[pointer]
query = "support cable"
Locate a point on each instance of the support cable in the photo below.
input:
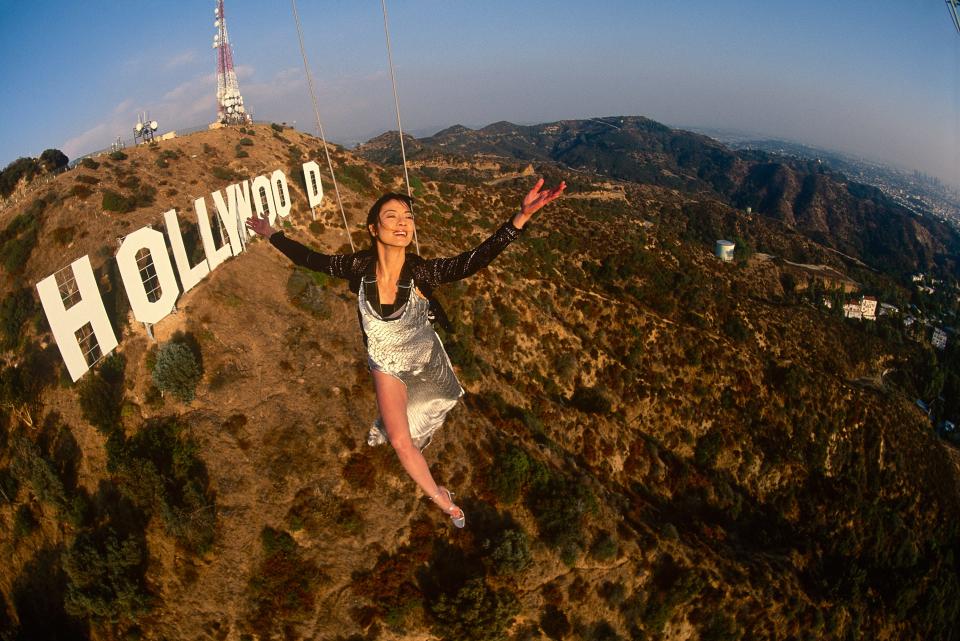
(396, 100)
(316, 111)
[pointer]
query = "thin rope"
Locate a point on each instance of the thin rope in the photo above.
(316, 111)
(396, 100)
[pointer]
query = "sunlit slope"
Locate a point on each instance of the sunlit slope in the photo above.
(653, 444)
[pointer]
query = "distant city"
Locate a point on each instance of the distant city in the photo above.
(923, 194)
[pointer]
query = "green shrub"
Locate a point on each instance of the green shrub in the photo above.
(21, 384)
(475, 613)
(101, 394)
(89, 163)
(591, 400)
(604, 547)
(17, 170)
(282, 589)
(307, 290)
(356, 178)
(144, 196)
(161, 163)
(160, 470)
(735, 329)
(112, 201)
(19, 238)
(105, 574)
(117, 155)
(24, 523)
(416, 185)
(613, 593)
(246, 142)
(602, 631)
(708, 448)
(276, 127)
(240, 153)
(88, 179)
(225, 173)
(176, 371)
(31, 467)
(559, 506)
(673, 586)
(53, 159)
(63, 235)
(511, 553)
(80, 191)
(16, 252)
(554, 622)
(511, 471)
(723, 627)
(15, 309)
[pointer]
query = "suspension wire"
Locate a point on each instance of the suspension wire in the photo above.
(396, 100)
(316, 111)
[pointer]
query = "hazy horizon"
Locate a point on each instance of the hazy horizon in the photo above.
(883, 85)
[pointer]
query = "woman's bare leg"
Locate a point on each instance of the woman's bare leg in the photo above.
(392, 400)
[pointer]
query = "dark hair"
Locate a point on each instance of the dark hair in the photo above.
(373, 216)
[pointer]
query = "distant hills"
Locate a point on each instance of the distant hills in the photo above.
(828, 208)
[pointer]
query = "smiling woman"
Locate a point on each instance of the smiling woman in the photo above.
(414, 381)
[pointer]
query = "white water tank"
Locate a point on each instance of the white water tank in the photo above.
(724, 250)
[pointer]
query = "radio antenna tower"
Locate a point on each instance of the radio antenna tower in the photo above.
(230, 109)
(953, 6)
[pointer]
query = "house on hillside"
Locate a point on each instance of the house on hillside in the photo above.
(939, 339)
(868, 307)
(886, 308)
(853, 310)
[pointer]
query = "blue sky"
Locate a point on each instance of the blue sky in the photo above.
(878, 79)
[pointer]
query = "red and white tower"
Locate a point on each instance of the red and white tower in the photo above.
(230, 110)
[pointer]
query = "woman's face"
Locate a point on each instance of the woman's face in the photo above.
(395, 224)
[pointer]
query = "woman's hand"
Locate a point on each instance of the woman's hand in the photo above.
(259, 225)
(535, 200)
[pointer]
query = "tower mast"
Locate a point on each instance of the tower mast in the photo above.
(230, 110)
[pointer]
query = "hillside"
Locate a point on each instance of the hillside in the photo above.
(653, 444)
(826, 207)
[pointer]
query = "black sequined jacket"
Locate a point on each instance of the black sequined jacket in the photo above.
(360, 267)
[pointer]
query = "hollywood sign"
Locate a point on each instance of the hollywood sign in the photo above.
(76, 313)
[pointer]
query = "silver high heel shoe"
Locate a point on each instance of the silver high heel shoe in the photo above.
(458, 521)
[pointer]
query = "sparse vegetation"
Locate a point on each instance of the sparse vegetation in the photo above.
(113, 201)
(476, 612)
(282, 589)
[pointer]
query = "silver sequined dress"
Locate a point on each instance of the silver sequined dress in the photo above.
(408, 349)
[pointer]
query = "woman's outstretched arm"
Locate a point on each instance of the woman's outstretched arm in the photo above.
(337, 265)
(445, 270)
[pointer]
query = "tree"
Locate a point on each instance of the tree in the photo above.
(53, 159)
(177, 371)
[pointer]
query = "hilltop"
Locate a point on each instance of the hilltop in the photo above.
(653, 443)
(825, 206)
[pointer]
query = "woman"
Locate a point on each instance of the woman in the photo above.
(414, 381)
